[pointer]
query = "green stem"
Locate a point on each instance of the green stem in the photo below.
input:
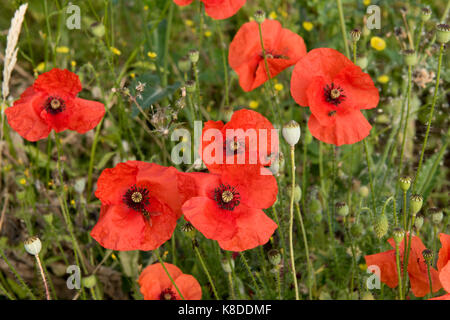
(429, 279)
(251, 274)
(430, 117)
(343, 28)
(224, 62)
(205, 269)
(405, 128)
(291, 224)
(397, 258)
(419, 35)
(166, 44)
(91, 160)
(369, 169)
(168, 274)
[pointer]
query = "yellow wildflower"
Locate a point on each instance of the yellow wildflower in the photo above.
(189, 23)
(40, 67)
(208, 33)
(115, 51)
(279, 87)
(152, 55)
(23, 181)
(273, 15)
(383, 79)
(73, 63)
(378, 43)
(308, 25)
(62, 49)
(253, 104)
(366, 2)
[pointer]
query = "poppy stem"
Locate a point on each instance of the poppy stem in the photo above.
(343, 28)
(397, 258)
(419, 35)
(405, 128)
(251, 274)
(429, 279)
(369, 169)
(166, 44)
(44, 280)
(205, 268)
(430, 117)
(291, 224)
(406, 254)
(168, 274)
(224, 61)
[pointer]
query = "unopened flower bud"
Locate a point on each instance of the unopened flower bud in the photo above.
(227, 265)
(315, 206)
(89, 282)
(291, 132)
(436, 215)
(355, 34)
(274, 257)
(426, 14)
(362, 62)
(418, 222)
(442, 33)
(194, 56)
(297, 193)
(399, 234)
(33, 245)
(364, 191)
(410, 57)
(98, 29)
(260, 16)
(357, 230)
(342, 209)
(416, 202)
(381, 226)
(184, 64)
(405, 183)
(427, 255)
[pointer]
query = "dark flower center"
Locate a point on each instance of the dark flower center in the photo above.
(137, 198)
(233, 146)
(167, 294)
(54, 105)
(227, 197)
(334, 94)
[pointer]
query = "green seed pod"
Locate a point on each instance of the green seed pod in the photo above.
(89, 282)
(190, 86)
(227, 265)
(381, 226)
(260, 16)
(405, 183)
(427, 255)
(291, 132)
(274, 257)
(189, 229)
(442, 33)
(342, 209)
(33, 245)
(399, 234)
(227, 113)
(355, 34)
(184, 64)
(364, 191)
(436, 215)
(98, 29)
(297, 193)
(367, 296)
(357, 230)
(418, 223)
(416, 202)
(194, 56)
(426, 14)
(315, 206)
(410, 57)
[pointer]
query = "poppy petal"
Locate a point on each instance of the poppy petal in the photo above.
(223, 9)
(388, 267)
(86, 115)
(62, 83)
(254, 228)
(153, 279)
(189, 287)
(444, 252)
(444, 277)
(182, 2)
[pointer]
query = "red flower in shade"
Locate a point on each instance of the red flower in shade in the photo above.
(52, 103)
(335, 90)
(156, 285)
(417, 268)
(140, 206)
(228, 207)
(217, 9)
(247, 139)
(443, 266)
(283, 49)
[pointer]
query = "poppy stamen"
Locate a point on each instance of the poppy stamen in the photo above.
(54, 105)
(227, 197)
(334, 94)
(167, 294)
(137, 198)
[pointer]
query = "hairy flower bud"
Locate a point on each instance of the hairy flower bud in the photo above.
(274, 257)
(381, 226)
(184, 64)
(297, 193)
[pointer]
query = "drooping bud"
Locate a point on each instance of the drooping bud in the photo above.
(260, 16)
(33, 245)
(410, 57)
(184, 64)
(436, 215)
(381, 226)
(194, 56)
(342, 209)
(426, 14)
(291, 132)
(274, 257)
(416, 202)
(399, 234)
(355, 34)
(428, 256)
(405, 183)
(297, 193)
(227, 265)
(442, 33)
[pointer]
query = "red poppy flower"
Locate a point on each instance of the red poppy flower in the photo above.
(52, 103)
(417, 269)
(283, 49)
(228, 207)
(443, 266)
(140, 206)
(335, 90)
(156, 285)
(247, 139)
(217, 9)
